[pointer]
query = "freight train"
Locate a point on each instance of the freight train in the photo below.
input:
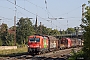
(38, 44)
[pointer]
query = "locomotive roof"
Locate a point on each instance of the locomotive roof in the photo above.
(50, 37)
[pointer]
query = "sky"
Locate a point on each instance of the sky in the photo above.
(46, 11)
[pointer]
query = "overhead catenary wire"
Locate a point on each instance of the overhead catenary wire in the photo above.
(20, 7)
(18, 11)
(25, 9)
(6, 18)
(34, 4)
(7, 8)
(46, 10)
(70, 11)
(42, 8)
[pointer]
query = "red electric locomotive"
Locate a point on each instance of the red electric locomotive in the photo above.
(37, 44)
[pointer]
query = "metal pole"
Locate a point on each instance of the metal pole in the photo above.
(15, 25)
(0, 21)
(0, 29)
(0, 24)
(40, 27)
(67, 26)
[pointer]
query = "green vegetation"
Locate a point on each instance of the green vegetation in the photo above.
(70, 30)
(23, 30)
(5, 37)
(77, 55)
(86, 26)
(85, 53)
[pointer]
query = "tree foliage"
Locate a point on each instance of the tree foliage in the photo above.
(41, 29)
(70, 30)
(55, 32)
(24, 29)
(86, 27)
(5, 38)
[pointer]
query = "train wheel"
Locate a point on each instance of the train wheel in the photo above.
(43, 52)
(39, 53)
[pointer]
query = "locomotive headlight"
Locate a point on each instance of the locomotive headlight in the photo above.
(27, 46)
(35, 40)
(40, 46)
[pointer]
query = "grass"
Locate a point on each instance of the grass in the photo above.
(19, 50)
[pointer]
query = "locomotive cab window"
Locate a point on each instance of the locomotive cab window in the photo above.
(34, 39)
(37, 39)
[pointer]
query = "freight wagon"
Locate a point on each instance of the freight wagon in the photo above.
(64, 43)
(70, 42)
(53, 43)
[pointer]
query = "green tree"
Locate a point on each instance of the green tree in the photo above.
(62, 32)
(70, 30)
(86, 27)
(55, 32)
(43, 30)
(48, 31)
(3, 34)
(23, 30)
(6, 39)
(3, 28)
(10, 38)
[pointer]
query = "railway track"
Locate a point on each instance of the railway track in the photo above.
(56, 55)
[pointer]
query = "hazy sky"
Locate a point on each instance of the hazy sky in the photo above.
(70, 10)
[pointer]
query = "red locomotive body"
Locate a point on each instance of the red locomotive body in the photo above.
(37, 44)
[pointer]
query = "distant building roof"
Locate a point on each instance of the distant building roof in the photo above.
(11, 31)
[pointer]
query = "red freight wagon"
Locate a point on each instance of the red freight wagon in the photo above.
(65, 42)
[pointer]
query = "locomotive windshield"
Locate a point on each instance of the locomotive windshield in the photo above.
(34, 39)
